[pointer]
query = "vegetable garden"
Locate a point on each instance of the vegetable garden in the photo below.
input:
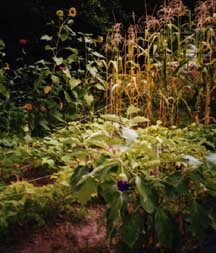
(125, 119)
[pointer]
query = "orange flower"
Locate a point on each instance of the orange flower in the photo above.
(42, 108)
(23, 41)
(17, 165)
(28, 107)
(72, 12)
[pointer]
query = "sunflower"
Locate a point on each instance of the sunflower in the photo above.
(72, 12)
(60, 13)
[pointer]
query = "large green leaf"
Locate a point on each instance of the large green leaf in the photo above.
(87, 188)
(4, 91)
(2, 45)
(101, 172)
(55, 79)
(92, 69)
(111, 117)
(58, 60)
(67, 97)
(146, 195)
(77, 175)
(108, 191)
(113, 212)
(164, 228)
(74, 83)
(132, 109)
(198, 215)
(137, 120)
(178, 183)
(131, 229)
(89, 99)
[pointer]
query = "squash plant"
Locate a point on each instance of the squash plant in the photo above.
(154, 181)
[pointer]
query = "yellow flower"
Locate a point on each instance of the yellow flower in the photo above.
(100, 39)
(6, 66)
(72, 12)
(47, 89)
(60, 13)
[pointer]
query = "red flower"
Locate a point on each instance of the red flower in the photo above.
(23, 41)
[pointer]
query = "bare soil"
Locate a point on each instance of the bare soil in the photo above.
(66, 235)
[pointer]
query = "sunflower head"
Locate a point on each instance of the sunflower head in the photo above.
(72, 12)
(60, 13)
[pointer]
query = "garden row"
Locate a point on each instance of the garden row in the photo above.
(157, 183)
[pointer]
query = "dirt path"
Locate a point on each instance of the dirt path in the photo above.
(68, 236)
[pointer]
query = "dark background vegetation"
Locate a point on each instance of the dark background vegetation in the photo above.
(28, 18)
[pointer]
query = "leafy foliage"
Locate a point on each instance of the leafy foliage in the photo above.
(156, 179)
(168, 173)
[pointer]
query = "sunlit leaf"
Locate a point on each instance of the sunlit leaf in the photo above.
(129, 134)
(58, 60)
(74, 82)
(92, 69)
(132, 109)
(4, 91)
(55, 79)
(46, 37)
(89, 99)
(87, 188)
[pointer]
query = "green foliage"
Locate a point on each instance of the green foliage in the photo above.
(168, 175)
(55, 89)
(156, 179)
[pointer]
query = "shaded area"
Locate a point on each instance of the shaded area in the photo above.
(77, 232)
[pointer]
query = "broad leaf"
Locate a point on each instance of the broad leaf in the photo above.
(164, 228)
(113, 213)
(74, 83)
(58, 60)
(129, 134)
(87, 188)
(77, 175)
(147, 197)
(131, 228)
(89, 99)
(132, 109)
(92, 69)
(55, 79)
(46, 37)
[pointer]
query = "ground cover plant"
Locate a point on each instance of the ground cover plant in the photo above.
(126, 119)
(156, 182)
